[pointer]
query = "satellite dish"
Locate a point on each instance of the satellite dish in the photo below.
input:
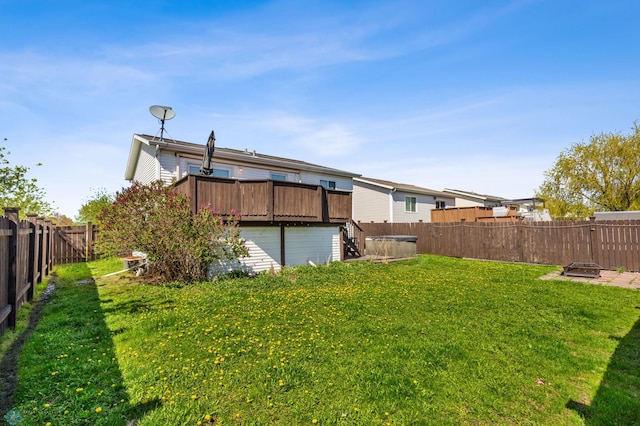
(162, 113)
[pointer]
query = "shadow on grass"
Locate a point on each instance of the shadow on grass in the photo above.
(64, 367)
(9, 362)
(616, 401)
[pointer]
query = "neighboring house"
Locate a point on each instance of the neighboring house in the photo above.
(376, 200)
(529, 209)
(472, 199)
(292, 212)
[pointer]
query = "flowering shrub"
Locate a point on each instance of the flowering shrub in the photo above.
(158, 221)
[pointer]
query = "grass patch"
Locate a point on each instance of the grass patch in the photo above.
(429, 341)
(22, 321)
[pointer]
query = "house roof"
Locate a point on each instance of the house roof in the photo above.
(394, 186)
(469, 194)
(532, 201)
(228, 154)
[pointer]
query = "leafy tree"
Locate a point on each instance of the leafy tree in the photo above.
(603, 174)
(60, 219)
(158, 221)
(17, 190)
(92, 208)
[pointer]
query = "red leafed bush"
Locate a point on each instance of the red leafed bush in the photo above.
(156, 220)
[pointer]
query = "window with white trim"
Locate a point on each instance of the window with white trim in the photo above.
(441, 204)
(329, 184)
(410, 204)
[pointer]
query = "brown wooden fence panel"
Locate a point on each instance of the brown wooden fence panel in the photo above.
(23, 256)
(6, 234)
(618, 244)
(611, 244)
(28, 251)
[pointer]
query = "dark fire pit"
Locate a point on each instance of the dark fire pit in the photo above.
(579, 269)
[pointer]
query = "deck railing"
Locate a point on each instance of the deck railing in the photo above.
(267, 200)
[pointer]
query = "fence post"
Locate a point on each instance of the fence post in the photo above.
(89, 242)
(42, 247)
(11, 213)
(594, 241)
(34, 255)
(51, 251)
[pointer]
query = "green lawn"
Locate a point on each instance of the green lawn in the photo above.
(429, 341)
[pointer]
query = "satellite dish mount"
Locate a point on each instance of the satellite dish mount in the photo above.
(162, 113)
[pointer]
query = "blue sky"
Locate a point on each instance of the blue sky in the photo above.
(473, 95)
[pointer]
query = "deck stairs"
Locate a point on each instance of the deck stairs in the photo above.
(352, 240)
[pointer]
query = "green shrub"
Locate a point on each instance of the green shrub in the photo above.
(158, 221)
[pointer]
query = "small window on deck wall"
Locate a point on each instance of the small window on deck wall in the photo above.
(195, 170)
(329, 184)
(410, 204)
(441, 204)
(220, 173)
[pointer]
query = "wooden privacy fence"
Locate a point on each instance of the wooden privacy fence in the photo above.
(26, 256)
(610, 244)
(74, 244)
(28, 250)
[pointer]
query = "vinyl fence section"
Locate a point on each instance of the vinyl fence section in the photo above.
(610, 244)
(26, 256)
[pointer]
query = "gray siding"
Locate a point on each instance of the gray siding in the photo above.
(424, 205)
(342, 182)
(370, 203)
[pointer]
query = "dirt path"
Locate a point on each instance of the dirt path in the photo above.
(9, 364)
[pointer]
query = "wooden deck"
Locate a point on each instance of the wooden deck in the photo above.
(267, 200)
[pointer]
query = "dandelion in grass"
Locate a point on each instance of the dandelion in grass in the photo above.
(98, 409)
(79, 389)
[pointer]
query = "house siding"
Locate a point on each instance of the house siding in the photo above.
(263, 244)
(168, 166)
(249, 171)
(424, 205)
(145, 171)
(465, 202)
(343, 183)
(370, 203)
(304, 244)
